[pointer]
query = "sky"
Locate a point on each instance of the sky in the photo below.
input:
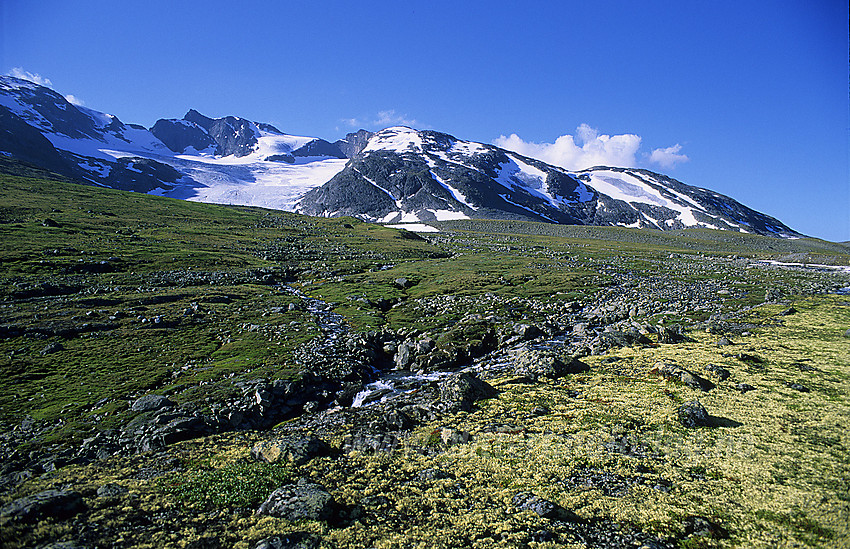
(746, 98)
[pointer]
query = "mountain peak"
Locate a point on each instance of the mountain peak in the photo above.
(199, 119)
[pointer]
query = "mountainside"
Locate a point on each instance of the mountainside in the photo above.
(393, 176)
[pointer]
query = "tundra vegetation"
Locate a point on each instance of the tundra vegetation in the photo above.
(190, 375)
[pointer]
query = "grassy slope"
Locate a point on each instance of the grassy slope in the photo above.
(778, 479)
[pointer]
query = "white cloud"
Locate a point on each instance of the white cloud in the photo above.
(390, 118)
(383, 119)
(75, 100)
(19, 72)
(587, 149)
(669, 157)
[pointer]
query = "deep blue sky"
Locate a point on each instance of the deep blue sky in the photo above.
(754, 93)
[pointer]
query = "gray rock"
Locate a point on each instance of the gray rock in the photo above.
(402, 283)
(370, 442)
(295, 540)
(461, 391)
(57, 504)
(671, 334)
(304, 500)
(433, 474)
(452, 437)
(672, 371)
(536, 364)
(797, 387)
(151, 402)
(111, 490)
(744, 387)
(526, 501)
(51, 348)
(693, 414)
(294, 449)
(719, 371)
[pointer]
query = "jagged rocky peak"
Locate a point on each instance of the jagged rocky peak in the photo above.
(181, 135)
(354, 143)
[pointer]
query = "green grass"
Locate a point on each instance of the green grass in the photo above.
(237, 484)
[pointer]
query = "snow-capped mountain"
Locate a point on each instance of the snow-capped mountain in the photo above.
(404, 175)
(393, 176)
(227, 160)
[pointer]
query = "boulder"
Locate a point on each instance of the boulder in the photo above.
(461, 391)
(370, 442)
(719, 371)
(671, 334)
(57, 504)
(303, 500)
(151, 402)
(111, 490)
(295, 540)
(672, 371)
(294, 449)
(527, 501)
(693, 414)
(535, 364)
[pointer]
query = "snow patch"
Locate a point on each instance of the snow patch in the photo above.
(447, 215)
(456, 194)
(397, 139)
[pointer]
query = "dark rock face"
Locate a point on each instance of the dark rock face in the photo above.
(26, 143)
(436, 171)
(319, 147)
(354, 143)
(231, 135)
(304, 500)
(50, 503)
(178, 135)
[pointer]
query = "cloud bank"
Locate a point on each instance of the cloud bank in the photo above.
(590, 148)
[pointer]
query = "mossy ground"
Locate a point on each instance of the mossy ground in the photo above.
(772, 472)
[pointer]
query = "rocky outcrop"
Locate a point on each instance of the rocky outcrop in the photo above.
(179, 135)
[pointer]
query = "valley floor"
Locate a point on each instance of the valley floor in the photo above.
(226, 377)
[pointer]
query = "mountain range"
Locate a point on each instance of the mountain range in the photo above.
(396, 175)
